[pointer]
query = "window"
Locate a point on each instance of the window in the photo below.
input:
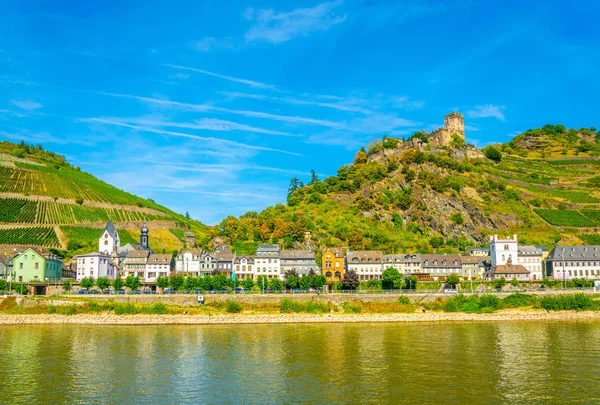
(105, 242)
(20, 265)
(328, 274)
(337, 274)
(37, 265)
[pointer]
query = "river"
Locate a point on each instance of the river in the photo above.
(476, 363)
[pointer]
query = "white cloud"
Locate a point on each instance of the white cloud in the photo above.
(251, 83)
(380, 123)
(487, 110)
(207, 44)
(214, 143)
(406, 103)
(276, 28)
(28, 105)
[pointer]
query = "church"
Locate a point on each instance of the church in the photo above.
(109, 244)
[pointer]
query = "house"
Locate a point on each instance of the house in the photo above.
(301, 261)
(439, 266)
(224, 258)
(36, 265)
(267, 261)
(158, 265)
(472, 267)
(94, 265)
(530, 257)
(334, 264)
(409, 264)
(509, 271)
(135, 263)
(566, 262)
(478, 251)
(503, 249)
(188, 262)
(244, 267)
(393, 261)
(413, 266)
(366, 263)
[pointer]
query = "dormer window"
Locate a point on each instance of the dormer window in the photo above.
(435, 262)
(443, 262)
(426, 262)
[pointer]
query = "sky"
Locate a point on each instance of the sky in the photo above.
(211, 107)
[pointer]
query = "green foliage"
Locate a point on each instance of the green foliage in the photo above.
(118, 283)
(404, 300)
(452, 280)
(390, 278)
(248, 283)
(176, 282)
(288, 305)
(419, 135)
(233, 306)
(575, 302)
(162, 282)
(457, 218)
(514, 282)
(410, 282)
(133, 283)
(492, 153)
(87, 282)
(352, 307)
(66, 284)
(457, 142)
(103, 283)
(38, 236)
(275, 284)
(499, 282)
(566, 218)
(125, 308)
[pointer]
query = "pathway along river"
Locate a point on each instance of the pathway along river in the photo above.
(475, 363)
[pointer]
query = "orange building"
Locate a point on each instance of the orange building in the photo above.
(333, 264)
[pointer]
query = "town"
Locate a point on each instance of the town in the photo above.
(271, 267)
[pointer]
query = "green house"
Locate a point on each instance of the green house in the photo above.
(33, 265)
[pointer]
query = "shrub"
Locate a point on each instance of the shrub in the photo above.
(489, 301)
(518, 300)
(158, 309)
(404, 300)
(577, 302)
(352, 307)
(233, 306)
(457, 218)
(125, 309)
(492, 153)
(451, 305)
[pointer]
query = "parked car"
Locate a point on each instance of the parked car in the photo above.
(148, 292)
(169, 291)
(108, 292)
(80, 292)
(137, 291)
(119, 291)
(450, 291)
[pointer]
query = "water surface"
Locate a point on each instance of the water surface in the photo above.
(483, 363)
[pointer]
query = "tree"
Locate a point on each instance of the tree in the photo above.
(499, 282)
(492, 153)
(514, 282)
(262, 282)
(66, 285)
(87, 282)
(314, 178)
(410, 282)
(219, 281)
(187, 215)
(305, 282)
(162, 282)
(176, 282)
(350, 280)
(133, 283)
(275, 284)
(295, 184)
(319, 282)
(452, 280)
(248, 283)
(117, 283)
(390, 278)
(103, 283)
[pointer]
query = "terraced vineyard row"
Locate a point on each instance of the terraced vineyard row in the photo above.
(39, 236)
(574, 218)
(14, 210)
(590, 238)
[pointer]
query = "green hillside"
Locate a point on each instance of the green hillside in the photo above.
(399, 199)
(40, 190)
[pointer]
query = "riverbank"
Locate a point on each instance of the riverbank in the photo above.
(433, 317)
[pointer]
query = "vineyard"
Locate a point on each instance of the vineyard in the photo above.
(91, 235)
(14, 210)
(590, 238)
(39, 236)
(573, 218)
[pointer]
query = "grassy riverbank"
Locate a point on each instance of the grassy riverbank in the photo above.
(402, 309)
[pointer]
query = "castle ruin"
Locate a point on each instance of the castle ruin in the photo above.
(454, 123)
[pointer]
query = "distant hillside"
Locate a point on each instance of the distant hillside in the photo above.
(45, 201)
(410, 196)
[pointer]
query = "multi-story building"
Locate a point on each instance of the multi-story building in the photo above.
(413, 265)
(478, 251)
(244, 267)
(472, 267)
(224, 258)
(530, 257)
(366, 263)
(135, 263)
(439, 266)
(267, 261)
(301, 261)
(188, 262)
(393, 261)
(36, 265)
(158, 265)
(509, 271)
(566, 262)
(333, 263)
(94, 265)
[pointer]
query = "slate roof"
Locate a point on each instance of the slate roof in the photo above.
(525, 250)
(575, 253)
(440, 260)
(110, 228)
(297, 254)
(364, 256)
(159, 259)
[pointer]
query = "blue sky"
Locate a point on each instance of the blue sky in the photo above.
(212, 109)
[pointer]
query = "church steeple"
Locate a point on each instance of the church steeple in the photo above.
(144, 235)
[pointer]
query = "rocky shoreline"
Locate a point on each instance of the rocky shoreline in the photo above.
(435, 317)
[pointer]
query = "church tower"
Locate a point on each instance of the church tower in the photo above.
(503, 250)
(144, 236)
(109, 240)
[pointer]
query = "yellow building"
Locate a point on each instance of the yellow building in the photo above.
(333, 264)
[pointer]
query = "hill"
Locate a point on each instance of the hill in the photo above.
(45, 201)
(417, 196)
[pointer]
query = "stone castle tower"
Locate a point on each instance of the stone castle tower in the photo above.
(454, 123)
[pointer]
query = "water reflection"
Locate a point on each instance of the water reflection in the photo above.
(339, 363)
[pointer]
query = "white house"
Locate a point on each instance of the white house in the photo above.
(567, 262)
(530, 257)
(95, 265)
(158, 265)
(109, 240)
(244, 267)
(267, 261)
(188, 262)
(366, 263)
(504, 249)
